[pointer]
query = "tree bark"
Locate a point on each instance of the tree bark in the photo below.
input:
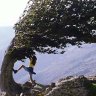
(8, 83)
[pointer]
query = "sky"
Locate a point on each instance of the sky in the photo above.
(10, 11)
(50, 68)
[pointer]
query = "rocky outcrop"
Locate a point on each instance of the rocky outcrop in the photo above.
(70, 86)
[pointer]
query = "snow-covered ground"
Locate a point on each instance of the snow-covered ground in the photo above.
(49, 68)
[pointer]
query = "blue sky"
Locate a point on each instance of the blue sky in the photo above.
(6, 35)
(10, 11)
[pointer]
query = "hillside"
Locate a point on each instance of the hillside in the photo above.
(69, 86)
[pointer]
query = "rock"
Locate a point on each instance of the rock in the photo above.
(30, 89)
(74, 86)
(49, 88)
(92, 79)
(69, 86)
(2, 93)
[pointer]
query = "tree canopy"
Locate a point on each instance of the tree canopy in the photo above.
(48, 25)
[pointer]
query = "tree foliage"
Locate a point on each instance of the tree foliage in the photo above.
(48, 25)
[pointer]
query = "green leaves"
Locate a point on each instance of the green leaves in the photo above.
(50, 23)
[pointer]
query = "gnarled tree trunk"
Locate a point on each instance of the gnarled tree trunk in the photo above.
(12, 55)
(8, 83)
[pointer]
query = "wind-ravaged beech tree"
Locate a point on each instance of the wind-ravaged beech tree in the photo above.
(45, 26)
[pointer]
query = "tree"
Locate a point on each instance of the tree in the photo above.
(45, 26)
(54, 24)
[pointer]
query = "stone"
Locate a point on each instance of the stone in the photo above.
(71, 87)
